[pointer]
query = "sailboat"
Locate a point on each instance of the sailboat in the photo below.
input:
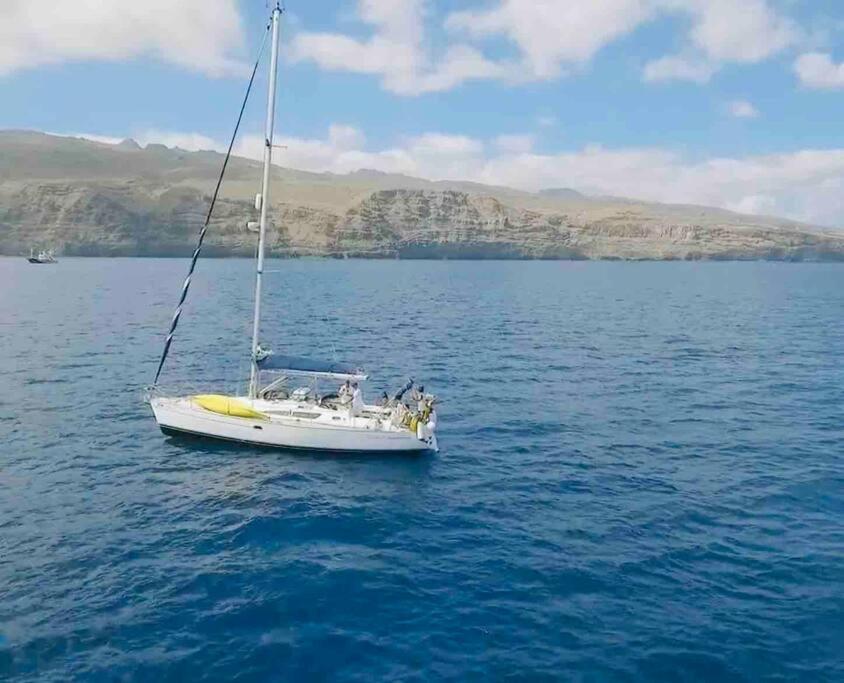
(42, 257)
(286, 405)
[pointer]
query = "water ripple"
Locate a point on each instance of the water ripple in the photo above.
(640, 477)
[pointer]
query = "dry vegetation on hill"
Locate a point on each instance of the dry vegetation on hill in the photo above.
(87, 198)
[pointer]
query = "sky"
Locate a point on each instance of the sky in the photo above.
(730, 103)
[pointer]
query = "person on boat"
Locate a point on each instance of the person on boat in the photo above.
(357, 399)
(345, 391)
(385, 399)
(430, 417)
(418, 395)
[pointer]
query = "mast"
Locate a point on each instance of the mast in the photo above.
(265, 194)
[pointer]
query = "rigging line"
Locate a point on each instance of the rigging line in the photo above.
(186, 286)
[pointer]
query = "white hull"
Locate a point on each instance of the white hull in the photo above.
(332, 431)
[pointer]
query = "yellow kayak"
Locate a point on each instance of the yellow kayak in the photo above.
(226, 405)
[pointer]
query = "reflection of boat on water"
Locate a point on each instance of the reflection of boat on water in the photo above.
(284, 406)
(42, 257)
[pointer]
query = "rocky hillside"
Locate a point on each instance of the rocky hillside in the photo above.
(86, 198)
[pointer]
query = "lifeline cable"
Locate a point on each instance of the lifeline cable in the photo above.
(202, 232)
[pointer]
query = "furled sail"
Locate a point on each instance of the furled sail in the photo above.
(309, 366)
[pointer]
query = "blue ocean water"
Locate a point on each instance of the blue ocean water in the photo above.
(640, 477)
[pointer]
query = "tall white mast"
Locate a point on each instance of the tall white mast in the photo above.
(265, 201)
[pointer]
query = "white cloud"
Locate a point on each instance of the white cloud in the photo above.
(201, 35)
(395, 52)
(817, 70)
(723, 31)
(551, 37)
(345, 137)
(805, 185)
(104, 139)
(759, 204)
(515, 143)
(678, 69)
(553, 33)
(460, 63)
(445, 145)
(343, 151)
(747, 31)
(742, 109)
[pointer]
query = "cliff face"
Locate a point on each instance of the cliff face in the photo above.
(418, 223)
(123, 200)
(414, 223)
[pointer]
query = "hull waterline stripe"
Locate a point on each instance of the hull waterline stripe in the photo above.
(176, 431)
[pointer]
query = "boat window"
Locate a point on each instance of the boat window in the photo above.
(307, 416)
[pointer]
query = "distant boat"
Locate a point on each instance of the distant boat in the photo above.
(289, 410)
(42, 257)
